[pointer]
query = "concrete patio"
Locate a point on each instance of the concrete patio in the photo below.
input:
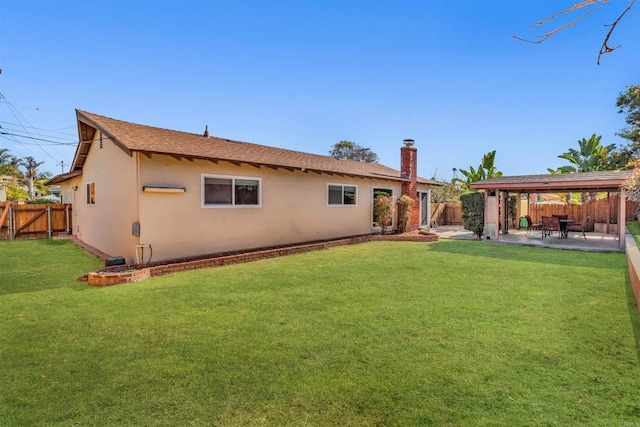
(595, 242)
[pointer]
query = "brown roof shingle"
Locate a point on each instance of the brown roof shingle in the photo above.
(600, 180)
(153, 140)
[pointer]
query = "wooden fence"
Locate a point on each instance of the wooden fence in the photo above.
(446, 213)
(599, 211)
(603, 211)
(22, 221)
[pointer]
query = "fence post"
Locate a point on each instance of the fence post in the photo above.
(49, 231)
(66, 213)
(10, 222)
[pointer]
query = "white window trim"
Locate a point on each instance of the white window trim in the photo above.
(393, 215)
(429, 220)
(233, 193)
(341, 205)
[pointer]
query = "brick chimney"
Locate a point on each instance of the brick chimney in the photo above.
(409, 170)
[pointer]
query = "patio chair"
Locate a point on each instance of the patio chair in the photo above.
(531, 225)
(580, 226)
(549, 225)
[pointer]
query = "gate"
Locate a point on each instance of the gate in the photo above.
(23, 221)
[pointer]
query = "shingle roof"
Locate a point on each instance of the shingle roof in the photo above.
(600, 180)
(153, 140)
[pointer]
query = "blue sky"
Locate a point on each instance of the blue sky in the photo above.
(306, 74)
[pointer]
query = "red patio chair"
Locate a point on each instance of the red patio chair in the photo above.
(549, 225)
(580, 226)
(531, 225)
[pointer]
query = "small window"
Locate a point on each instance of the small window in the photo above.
(91, 194)
(225, 191)
(342, 194)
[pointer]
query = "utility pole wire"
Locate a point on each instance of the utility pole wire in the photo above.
(62, 164)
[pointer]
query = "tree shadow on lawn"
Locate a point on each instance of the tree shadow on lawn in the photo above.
(43, 264)
(545, 256)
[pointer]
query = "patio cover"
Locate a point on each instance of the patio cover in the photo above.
(601, 181)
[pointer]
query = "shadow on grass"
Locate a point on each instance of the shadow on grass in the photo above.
(546, 256)
(43, 264)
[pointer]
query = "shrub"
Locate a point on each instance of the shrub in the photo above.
(383, 210)
(473, 212)
(405, 203)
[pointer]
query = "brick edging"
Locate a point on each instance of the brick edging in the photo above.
(129, 274)
(633, 264)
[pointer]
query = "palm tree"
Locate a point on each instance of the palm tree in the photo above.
(10, 165)
(39, 183)
(4, 160)
(31, 176)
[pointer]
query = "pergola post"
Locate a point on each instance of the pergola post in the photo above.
(496, 214)
(504, 206)
(518, 208)
(491, 213)
(622, 216)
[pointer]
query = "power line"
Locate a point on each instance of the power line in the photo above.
(45, 130)
(37, 139)
(14, 111)
(33, 135)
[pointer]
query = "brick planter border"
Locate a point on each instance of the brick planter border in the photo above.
(133, 273)
(633, 264)
(116, 276)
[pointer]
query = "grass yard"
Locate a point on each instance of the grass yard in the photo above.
(384, 333)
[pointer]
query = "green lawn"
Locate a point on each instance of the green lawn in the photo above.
(383, 333)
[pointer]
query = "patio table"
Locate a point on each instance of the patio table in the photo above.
(564, 233)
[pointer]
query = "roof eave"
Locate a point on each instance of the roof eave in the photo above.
(276, 166)
(594, 185)
(86, 138)
(58, 179)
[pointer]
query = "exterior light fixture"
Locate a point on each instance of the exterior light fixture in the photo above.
(162, 189)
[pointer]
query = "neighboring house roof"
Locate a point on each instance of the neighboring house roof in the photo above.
(63, 177)
(560, 182)
(148, 140)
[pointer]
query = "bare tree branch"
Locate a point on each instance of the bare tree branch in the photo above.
(569, 10)
(605, 46)
(570, 24)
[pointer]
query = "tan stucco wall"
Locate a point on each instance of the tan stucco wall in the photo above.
(107, 224)
(294, 209)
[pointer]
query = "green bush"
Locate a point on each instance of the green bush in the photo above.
(473, 212)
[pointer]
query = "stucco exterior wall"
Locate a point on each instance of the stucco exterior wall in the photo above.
(294, 208)
(105, 225)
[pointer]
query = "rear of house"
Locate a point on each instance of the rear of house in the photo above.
(177, 194)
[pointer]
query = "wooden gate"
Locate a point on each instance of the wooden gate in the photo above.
(24, 221)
